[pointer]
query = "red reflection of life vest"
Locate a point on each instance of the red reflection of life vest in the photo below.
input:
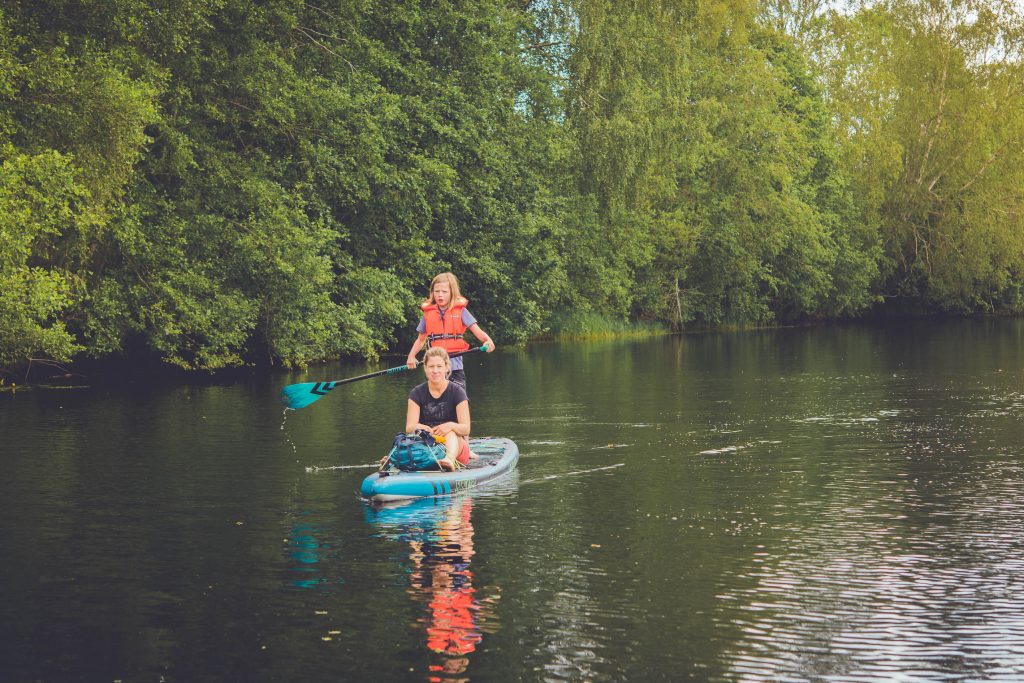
(453, 629)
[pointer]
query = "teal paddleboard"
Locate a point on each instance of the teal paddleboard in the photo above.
(496, 457)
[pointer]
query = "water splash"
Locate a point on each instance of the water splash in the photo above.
(284, 419)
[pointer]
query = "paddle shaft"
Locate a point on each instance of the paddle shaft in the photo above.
(297, 396)
(392, 371)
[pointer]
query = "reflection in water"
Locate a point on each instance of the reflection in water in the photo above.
(305, 550)
(440, 537)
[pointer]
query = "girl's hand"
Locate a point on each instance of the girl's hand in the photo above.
(490, 346)
(410, 362)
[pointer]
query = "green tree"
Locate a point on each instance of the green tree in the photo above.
(39, 195)
(929, 97)
(278, 182)
(71, 128)
(707, 147)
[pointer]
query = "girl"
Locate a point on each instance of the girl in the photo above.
(441, 407)
(445, 319)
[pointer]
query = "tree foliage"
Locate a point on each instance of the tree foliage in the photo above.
(710, 153)
(230, 182)
(271, 181)
(930, 97)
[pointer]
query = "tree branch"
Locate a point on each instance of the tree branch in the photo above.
(324, 47)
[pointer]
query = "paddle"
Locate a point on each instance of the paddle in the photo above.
(297, 396)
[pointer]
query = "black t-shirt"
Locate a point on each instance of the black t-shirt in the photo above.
(435, 411)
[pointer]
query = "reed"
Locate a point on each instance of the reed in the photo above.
(590, 325)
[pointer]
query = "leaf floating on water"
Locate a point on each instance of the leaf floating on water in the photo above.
(334, 633)
(326, 638)
(321, 611)
(595, 545)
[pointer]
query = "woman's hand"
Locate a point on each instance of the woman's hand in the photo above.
(443, 428)
(410, 362)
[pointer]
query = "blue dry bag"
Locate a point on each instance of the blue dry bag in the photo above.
(416, 452)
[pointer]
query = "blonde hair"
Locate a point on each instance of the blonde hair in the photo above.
(437, 352)
(453, 286)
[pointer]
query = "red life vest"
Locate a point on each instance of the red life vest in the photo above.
(446, 331)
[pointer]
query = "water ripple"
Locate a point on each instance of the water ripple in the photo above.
(876, 597)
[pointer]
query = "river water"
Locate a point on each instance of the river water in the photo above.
(824, 504)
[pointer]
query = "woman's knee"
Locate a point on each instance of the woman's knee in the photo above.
(457, 449)
(452, 444)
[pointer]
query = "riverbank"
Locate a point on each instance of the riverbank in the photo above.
(143, 368)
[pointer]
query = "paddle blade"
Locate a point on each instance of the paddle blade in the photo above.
(297, 396)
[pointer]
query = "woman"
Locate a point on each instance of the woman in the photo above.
(441, 407)
(445, 320)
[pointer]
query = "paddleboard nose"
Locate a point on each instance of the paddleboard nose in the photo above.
(366, 490)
